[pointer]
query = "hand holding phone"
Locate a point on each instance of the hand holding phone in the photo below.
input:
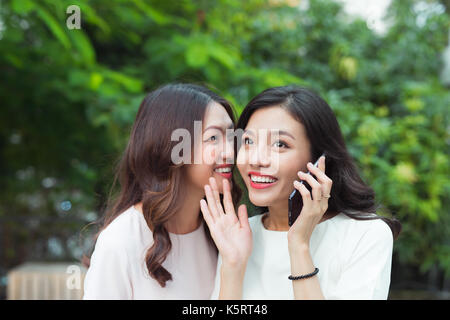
(296, 201)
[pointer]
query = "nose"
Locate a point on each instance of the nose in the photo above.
(227, 152)
(260, 156)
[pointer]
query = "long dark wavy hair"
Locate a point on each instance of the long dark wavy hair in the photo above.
(146, 172)
(349, 194)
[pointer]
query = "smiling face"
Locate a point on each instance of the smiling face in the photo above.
(274, 148)
(215, 150)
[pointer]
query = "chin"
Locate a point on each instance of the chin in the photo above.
(268, 197)
(260, 200)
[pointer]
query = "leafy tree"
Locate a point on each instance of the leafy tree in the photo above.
(69, 98)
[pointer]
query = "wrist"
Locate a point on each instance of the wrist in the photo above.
(233, 267)
(232, 273)
(298, 247)
(231, 282)
(298, 239)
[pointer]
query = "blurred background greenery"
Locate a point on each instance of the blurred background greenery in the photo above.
(68, 99)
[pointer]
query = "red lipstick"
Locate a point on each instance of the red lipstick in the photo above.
(226, 174)
(261, 185)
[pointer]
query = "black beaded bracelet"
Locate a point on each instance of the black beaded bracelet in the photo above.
(309, 275)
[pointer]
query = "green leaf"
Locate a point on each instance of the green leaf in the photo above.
(152, 13)
(55, 27)
(89, 14)
(130, 83)
(96, 80)
(196, 55)
(83, 46)
(22, 6)
(222, 55)
(14, 60)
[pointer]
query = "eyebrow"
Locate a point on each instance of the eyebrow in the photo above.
(281, 132)
(285, 133)
(230, 126)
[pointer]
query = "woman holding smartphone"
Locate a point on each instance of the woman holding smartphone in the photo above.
(338, 247)
(153, 242)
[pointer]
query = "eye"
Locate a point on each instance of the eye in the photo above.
(280, 144)
(247, 140)
(212, 138)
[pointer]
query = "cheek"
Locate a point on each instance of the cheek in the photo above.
(208, 155)
(198, 175)
(241, 165)
(287, 173)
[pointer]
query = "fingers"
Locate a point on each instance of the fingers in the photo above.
(227, 199)
(243, 216)
(212, 207)
(321, 164)
(320, 175)
(319, 171)
(206, 213)
(316, 188)
(306, 195)
(228, 202)
(211, 203)
(216, 195)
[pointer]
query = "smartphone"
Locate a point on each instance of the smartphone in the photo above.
(296, 201)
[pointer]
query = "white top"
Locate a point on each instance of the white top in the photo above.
(353, 256)
(118, 270)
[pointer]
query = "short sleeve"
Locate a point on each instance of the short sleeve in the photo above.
(366, 274)
(108, 275)
(216, 290)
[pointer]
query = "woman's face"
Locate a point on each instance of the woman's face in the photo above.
(213, 149)
(274, 148)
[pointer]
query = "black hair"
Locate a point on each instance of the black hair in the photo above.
(349, 194)
(146, 172)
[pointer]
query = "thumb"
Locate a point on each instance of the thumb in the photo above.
(243, 216)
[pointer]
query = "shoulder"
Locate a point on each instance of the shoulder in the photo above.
(370, 230)
(124, 232)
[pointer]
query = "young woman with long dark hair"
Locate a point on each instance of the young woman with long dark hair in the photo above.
(338, 248)
(153, 242)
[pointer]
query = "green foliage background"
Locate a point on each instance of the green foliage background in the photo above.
(68, 99)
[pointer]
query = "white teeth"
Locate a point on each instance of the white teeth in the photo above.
(223, 170)
(262, 179)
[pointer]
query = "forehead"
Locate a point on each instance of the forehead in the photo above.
(275, 118)
(216, 115)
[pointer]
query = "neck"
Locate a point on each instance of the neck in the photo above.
(186, 220)
(277, 219)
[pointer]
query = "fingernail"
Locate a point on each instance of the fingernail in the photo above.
(296, 183)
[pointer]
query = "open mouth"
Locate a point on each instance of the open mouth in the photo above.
(224, 170)
(260, 181)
